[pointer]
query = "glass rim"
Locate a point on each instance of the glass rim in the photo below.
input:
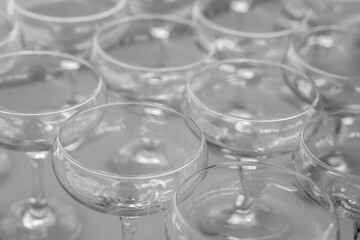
(200, 149)
(208, 108)
(100, 84)
(40, 17)
(197, 13)
(98, 49)
(317, 160)
(13, 31)
(294, 48)
(330, 208)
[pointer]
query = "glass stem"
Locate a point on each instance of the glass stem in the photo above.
(128, 225)
(243, 206)
(38, 202)
(356, 230)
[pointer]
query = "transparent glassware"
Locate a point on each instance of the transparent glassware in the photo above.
(250, 108)
(246, 28)
(127, 159)
(179, 8)
(38, 91)
(328, 153)
(63, 25)
(149, 57)
(242, 200)
(323, 12)
(330, 55)
(9, 41)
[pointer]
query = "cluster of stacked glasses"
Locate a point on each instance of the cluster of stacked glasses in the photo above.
(236, 119)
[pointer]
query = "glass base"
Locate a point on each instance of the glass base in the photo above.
(60, 221)
(249, 220)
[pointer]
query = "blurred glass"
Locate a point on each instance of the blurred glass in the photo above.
(331, 56)
(179, 8)
(246, 28)
(63, 25)
(328, 153)
(10, 40)
(324, 12)
(149, 57)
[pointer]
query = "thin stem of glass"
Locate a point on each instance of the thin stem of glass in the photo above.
(128, 225)
(38, 215)
(356, 230)
(37, 164)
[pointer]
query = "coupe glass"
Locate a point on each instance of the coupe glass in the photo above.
(149, 57)
(250, 107)
(323, 12)
(328, 154)
(38, 91)
(180, 8)
(127, 159)
(246, 28)
(242, 201)
(63, 25)
(331, 56)
(9, 41)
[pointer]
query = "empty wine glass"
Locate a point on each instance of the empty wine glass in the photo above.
(328, 154)
(331, 56)
(127, 159)
(246, 28)
(242, 201)
(180, 8)
(149, 57)
(9, 41)
(63, 25)
(250, 107)
(38, 91)
(323, 12)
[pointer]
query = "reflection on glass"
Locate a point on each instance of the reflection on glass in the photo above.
(9, 34)
(331, 56)
(323, 12)
(250, 107)
(246, 28)
(63, 25)
(179, 8)
(127, 159)
(328, 153)
(242, 201)
(9, 41)
(38, 92)
(149, 57)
